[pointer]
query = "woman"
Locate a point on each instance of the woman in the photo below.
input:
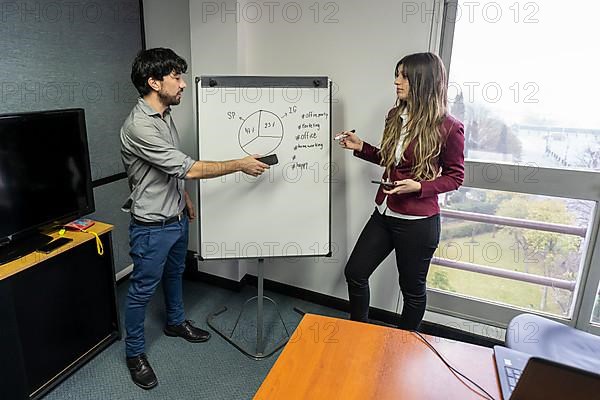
(422, 153)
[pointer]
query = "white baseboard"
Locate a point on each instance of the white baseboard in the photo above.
(124, 272)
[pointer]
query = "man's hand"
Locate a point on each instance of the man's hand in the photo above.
(251, 166)
(189, 205)
(213, 169)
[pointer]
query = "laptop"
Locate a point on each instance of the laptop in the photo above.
(523, 377)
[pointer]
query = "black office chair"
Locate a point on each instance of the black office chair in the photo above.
(543, 337)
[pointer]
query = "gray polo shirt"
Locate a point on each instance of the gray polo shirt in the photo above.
(154, 164)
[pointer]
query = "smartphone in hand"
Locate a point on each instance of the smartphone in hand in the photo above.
(386, 185)
(269, 160)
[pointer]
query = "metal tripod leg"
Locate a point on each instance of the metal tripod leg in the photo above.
(260, 341)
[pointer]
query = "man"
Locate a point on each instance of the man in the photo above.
(159, 205)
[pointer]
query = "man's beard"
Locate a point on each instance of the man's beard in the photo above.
(169, 100)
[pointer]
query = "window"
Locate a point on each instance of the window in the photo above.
(517, 249)
(521, 234)
(522, 78)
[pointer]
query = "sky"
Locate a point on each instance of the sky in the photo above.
(538, 61)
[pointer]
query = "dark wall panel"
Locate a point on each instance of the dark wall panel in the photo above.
(60, 54)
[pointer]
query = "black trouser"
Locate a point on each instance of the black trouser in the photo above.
(415, 242)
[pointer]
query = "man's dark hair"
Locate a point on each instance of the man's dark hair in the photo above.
(155, 63)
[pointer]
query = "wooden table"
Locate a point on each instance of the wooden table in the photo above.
(330, 358)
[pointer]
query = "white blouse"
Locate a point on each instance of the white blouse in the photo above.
(383, 208)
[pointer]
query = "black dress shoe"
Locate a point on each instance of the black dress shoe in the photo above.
(187, 331)
(141, 372)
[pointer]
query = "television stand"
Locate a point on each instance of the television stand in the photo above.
(24, 245)
(57, 311)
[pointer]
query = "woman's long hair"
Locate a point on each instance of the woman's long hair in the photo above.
(426, 105)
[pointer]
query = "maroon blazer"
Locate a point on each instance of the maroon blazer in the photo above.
(451, 160)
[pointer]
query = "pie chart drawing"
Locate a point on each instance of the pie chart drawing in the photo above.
(260, 133)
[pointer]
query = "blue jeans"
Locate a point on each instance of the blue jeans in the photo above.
(158, 252)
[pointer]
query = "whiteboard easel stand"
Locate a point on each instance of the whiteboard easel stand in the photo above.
(259, 127)
(260, 342)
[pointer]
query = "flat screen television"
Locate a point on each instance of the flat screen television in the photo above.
(45, 177)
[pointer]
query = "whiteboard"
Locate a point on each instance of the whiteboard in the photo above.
(286, 212)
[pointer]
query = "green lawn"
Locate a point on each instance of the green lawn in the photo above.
(497, 251)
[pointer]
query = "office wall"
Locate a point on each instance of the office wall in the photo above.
(356, 44)
(65, 54)
(168, 24)
(215, 48)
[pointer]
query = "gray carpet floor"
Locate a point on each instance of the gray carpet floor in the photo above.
(210, 370)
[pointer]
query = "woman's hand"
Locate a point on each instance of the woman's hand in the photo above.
(404, 186)
(349, 140)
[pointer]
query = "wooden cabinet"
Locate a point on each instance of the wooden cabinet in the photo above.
(57, 311)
